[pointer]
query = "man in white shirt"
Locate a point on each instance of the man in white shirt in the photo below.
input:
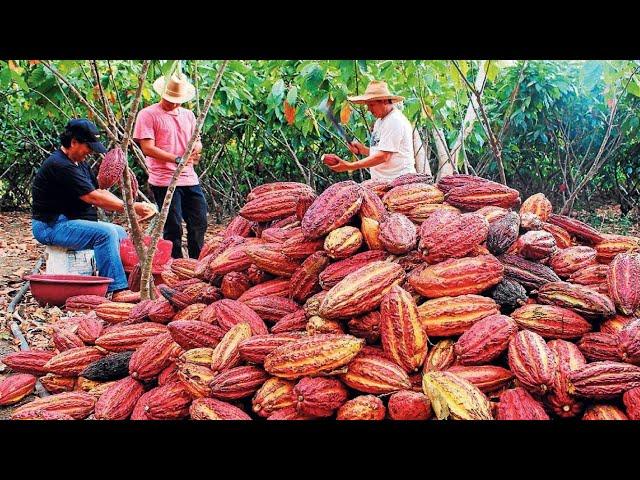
(391, 152)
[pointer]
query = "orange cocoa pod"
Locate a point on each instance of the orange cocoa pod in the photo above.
(409, 405)
(375, 374)
(448, 316)
(371, 233)
(269, 257)
(440, 357)
(532, 362)
(317, 325)
(212, 409)
(615, 324)
(274, 394)
(613, 244)
(417, 201)
(305, 280)
(78, 405)
(568, 358)
(332, 209)
(474, 197)
(448, 234)
(372, 206)
(577, 228)
(343, 242)
(72, 362)
(192, 312)
(114, 312)
(234, 284)
(364, 407)
(570, 260)
(487, 378)
(57, 383)
(161, 311)
(366, 326)
(152, 357)
(227, 354)
(539, 205)
(237, 382)
(196, 379)
(604, 412)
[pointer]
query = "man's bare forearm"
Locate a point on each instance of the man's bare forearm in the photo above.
(104, 199)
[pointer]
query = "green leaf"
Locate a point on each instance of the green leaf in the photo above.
(591, 74)
(633, 88)
(464, 66)
(292, 96)
(492, 71)
(277, 91)
(20, 81)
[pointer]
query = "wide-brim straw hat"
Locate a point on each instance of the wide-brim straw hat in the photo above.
(376, 90)
(176, 90)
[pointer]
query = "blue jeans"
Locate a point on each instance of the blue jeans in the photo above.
(188, 203)
(104, 238)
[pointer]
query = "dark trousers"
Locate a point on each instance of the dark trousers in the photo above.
(188, 203)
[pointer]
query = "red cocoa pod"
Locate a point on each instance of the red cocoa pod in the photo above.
(279, 287)
(603, 412)
(235, 284)
(375, 374)
(317, 325)
(332, 209)
(560, 235)
(305, 200)
(192, 312)
(64, 340)
(578, 298)
(237, 382)
(613, 244)
(78, 405)
(487, 378)
(129, 337)
(624, 287)
(364, 407)
(631, 400)
(366, 326)
(415, 200)
(169, 374)
(292, 322)
(288, 413)
(536, 245)
(114, 312)
(152, 357)
(629, 342)
(196, 379)
(336, 272)
(272, 205)
(227, 354)
(212, 409)
(318, 397)
(118, 401)
(256, 348)
(518, 404)
(398, 234)
(299, 247)
(577, 228)
(448, 234)
(257, 276)
(312, 306)
(409, 405)
(89, 329)
(539, 205)
(179, 300)
(275, 394)
(227, 313)
(591, 276)
(57, 383)
(184, 268)
(84, 303)
(238, 226)
(568, 358)
(126, 296)
(140, 313)
(408, 178)
(449, 182)
(532, 362)
(481, 195)
(600, 346)
(615, 324)
(570, 260)
(492, 214)
(40, 415)
(111, 168)
(550, 321)
(278, 235)
(485, 340)
(161, 311)
(372, 206)
(441, 357)
(233, 259)
(448, 316)
(168, 402)
(403, 336)
(272, 309)
(195, 334)
(305, 281)
(268, 257)
(72, 362)
(605, 379)
(529, 274)
(16, 387)
(31, 361)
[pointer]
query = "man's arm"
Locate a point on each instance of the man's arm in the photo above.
(371, 161)
(148, 146)
(108, 201)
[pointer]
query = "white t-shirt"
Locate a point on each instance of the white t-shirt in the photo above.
(393, 133)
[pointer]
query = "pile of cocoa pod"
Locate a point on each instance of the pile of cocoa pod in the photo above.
(398, 300)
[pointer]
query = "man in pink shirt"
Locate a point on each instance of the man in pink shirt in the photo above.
(163, 131)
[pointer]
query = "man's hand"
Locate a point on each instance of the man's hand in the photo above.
(196, 153)
(357, 148)
(144, 210)
(342, 166)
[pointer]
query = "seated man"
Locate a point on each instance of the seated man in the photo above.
(65, 196)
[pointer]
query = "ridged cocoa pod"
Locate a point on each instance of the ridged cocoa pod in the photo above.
(192, 312)
(578, 298)
(449, 182)
(299, 247)
(408, 178)
(532, 362)
(211, 409)
(237, 382)
(550, 321)
(343, 242)
(375, 374)
(237, 226)
(631, 400)
(366, 326)
(274, 394)
(492, 214)
(312, 306)
(179, 300)
(577, 228)
(167, 277)
(487, 378)
(279, 187)
(227, 313)
(364, 407)
(503, 233)
(233, 259)
(592, 276)
(139, 313)
(372, 206)
(448, 316)
(530, 275)
(530, 221)
(161, 311)
(332, 209)
(397, 234)
(184, 268)
(84, 303)
(64, 339)
(272, 309)
(447, 234)
(440, 357)
(323, 354)
(227, 354)
(458, 277)
(279, 287)
(288, 223)
(403, 336)
(416, 200)
(57, 383)
(604, 412)
(509, 294)
(114, 312)
(196, 379)
(268, 257)
(379, 187)
(90, 328)
(318, 397)
(234, 284)
(168, 402)
(16, 387)
(615, 324)
(361, 291)
(72, 362)
(409, 405)
(613, 244)
(335, 273)
(454, 397)
(126, 296)
(560, 235)
(278, 235)
(78, 405)
(256, 348)
(536, 245)
(317, 325)
(485, 340)
(288, 413)
(623, 280)
(272, 205)
(305, 200)
(119, 399)
(370, 229)
(257, 276)
(568, 358)
(293, 322)
(195, 334)
(40, 415)
(305, 281)
(604, 379)
(600, 346)
(129, 337)
(197, 356)
(31, 361)
(539, 205)
(152, 357)
(629, 342)
(518, 404)
(477, 196)
(570, 260)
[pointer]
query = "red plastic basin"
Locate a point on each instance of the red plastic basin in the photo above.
(55, 289)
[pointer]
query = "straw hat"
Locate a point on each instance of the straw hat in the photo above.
(376, 90)
(177, 89)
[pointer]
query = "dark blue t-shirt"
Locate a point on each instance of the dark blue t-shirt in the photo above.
(57, 189)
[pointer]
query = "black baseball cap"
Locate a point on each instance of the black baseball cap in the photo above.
(85, 131)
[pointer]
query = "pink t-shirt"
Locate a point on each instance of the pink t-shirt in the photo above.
(171, 132)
